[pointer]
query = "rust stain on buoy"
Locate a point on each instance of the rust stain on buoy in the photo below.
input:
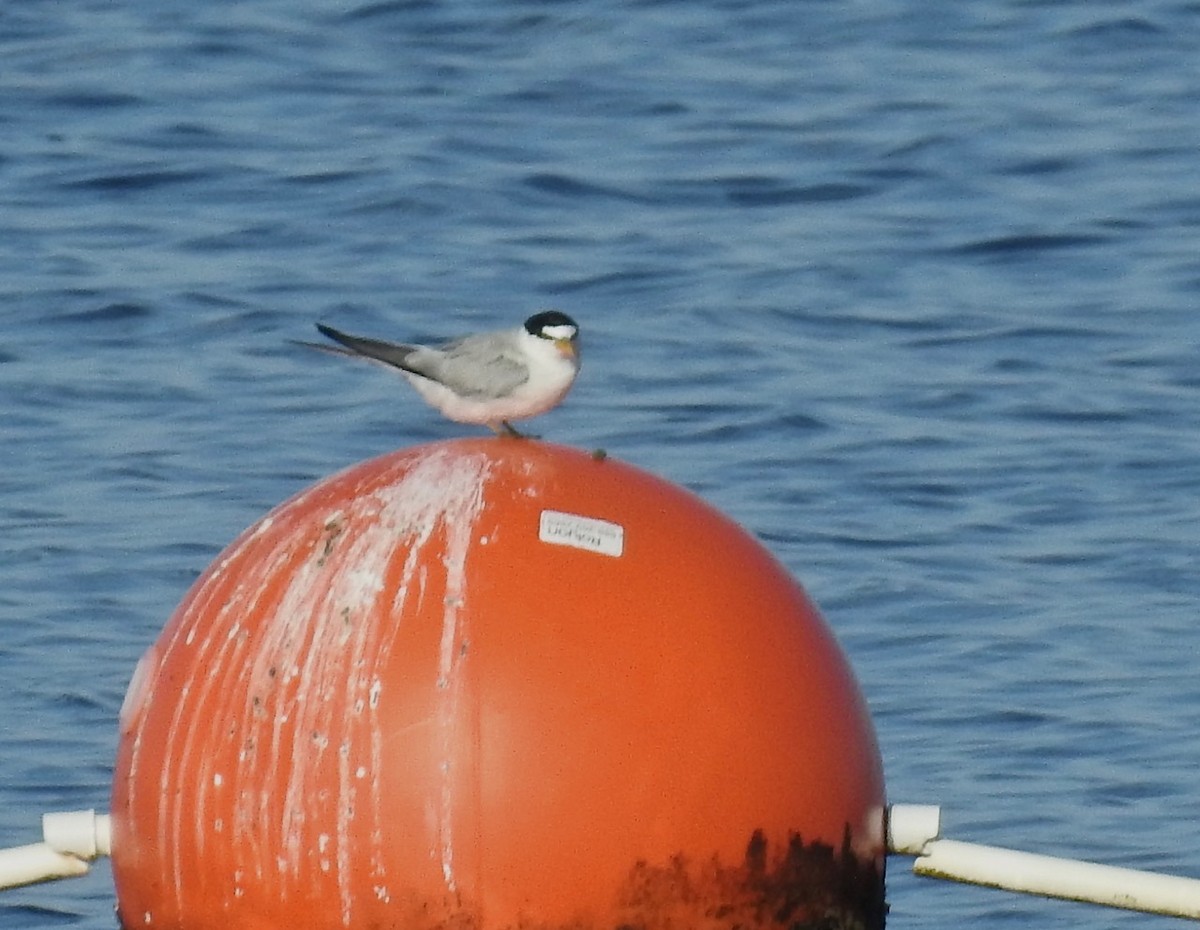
(490, 684)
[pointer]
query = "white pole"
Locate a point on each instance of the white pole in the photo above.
(84, 834)
(1052, 877)
(910, 827)
(915, 830)
(24, 865)
(71, 840)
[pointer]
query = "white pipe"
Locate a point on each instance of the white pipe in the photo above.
(24, 865)
(72, 839)
(1061, 878)
(84, 834)
(911, 826)
(914, 829)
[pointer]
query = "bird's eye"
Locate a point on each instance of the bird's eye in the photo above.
(563, 331)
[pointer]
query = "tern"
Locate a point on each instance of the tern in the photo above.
(487, 378)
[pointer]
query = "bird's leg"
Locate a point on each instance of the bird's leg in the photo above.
(507, 429)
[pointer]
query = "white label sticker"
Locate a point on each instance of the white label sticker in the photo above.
(569, 529)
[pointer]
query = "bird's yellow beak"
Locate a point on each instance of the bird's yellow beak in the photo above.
(566, 347)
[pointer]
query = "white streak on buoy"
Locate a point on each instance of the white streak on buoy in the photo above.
(276, 690)
(451, 678)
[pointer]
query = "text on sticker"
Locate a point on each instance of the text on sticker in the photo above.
(569, 529)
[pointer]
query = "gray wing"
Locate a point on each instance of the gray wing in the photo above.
(484, 365)
(375, 350)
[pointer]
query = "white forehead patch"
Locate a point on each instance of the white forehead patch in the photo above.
(562, 331)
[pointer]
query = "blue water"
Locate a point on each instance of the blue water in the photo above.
(910, 290)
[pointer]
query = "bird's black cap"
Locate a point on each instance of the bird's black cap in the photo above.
(537, 324)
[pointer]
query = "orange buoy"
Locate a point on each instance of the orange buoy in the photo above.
(492, 684)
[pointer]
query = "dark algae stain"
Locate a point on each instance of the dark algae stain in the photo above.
(799, 886)
(789, 886)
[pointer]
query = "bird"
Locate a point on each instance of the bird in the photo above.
(489, 378)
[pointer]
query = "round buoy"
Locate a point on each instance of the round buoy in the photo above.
(490, 684)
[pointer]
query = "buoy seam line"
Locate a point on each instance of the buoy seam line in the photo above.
(102, 849)
(101, 825)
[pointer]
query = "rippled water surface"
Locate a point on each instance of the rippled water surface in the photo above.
(912, 294)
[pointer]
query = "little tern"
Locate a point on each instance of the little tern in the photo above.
(487, 378)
